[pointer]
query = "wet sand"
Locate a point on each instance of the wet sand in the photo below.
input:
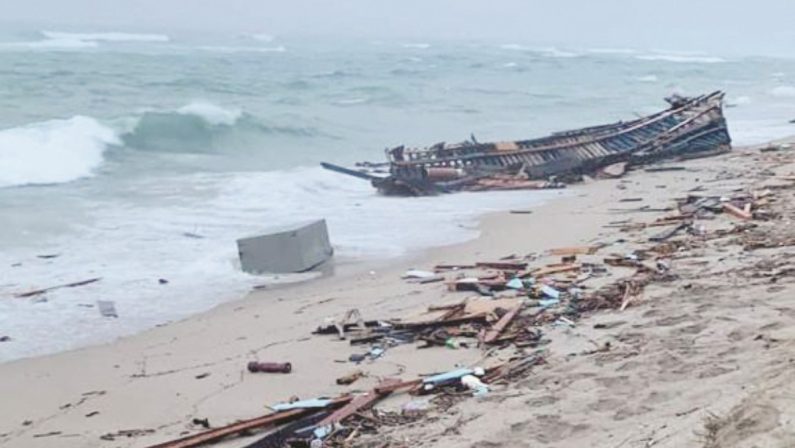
(702, 361)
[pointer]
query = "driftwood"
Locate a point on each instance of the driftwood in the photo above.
(37, 292)
(217, 434)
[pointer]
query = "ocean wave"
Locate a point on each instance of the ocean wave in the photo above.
(515, 47)
(420, 46)
(783, 92)
(543, 51)
(611, 51)
(49, 44)
(211, 113)
(648, 78)
(262, 37)
(681, 58)
(201, 126)
(351, 101)
(739, 101)
(56, 40)
(55, 151)
(246, 49)
(105, 37)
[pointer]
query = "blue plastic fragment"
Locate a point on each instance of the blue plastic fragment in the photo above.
(442, 377)
(550, 292)
(515, 283)
(548, 302)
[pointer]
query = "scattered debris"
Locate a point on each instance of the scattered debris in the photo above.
(614, 171)
(203, 422)
(126, 433)
(270, 367)
(48, 434)
(51, 288)
(658, 169)
(291, 248)
(350, 378)
(107, 308)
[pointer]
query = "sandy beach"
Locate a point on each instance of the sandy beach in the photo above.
(702, 360)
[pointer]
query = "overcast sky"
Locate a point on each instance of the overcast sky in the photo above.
(725, 26)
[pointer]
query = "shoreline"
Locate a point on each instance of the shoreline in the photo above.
(340, 270)
(165, 366)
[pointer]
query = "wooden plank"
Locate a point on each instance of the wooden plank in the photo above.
(736, 211)
(502, 265)
(552, 269)
(581, 250)
(501, 324)
(67, 285)
(214, 435)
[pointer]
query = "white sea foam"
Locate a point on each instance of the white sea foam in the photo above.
(783, 92)
(648, 78)
(211, 113)
(242, 49)
(55, 40)
(681, 58)
(611, 51)
(556, 53)
(147, 242)
(421, 46)
(55, 151)
(545, 51)
(516, 47)
(105, 37)
(351, 101)
(49, 44)
(262, 37)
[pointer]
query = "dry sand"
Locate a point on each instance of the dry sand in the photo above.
(703, 361)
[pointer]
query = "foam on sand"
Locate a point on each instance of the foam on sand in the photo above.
(54, 151)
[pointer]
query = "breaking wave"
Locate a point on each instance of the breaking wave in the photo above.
(55, 40)
(543, 51)
(247, 49)
(201, 126)
(617, 51)
(55, 151)
(681, 58)
(212, 114)
(648, 78)
(60, 151)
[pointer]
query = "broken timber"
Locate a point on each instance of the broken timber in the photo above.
(214, 435)
(691, 126)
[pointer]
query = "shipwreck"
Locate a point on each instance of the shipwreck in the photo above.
(690, 127)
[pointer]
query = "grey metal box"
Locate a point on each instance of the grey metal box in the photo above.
(293, 248)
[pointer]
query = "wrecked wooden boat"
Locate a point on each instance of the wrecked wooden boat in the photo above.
(690, 127)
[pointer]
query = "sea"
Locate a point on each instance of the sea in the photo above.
(141, 158)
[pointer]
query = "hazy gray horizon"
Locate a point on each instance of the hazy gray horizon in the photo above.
(707, 25)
